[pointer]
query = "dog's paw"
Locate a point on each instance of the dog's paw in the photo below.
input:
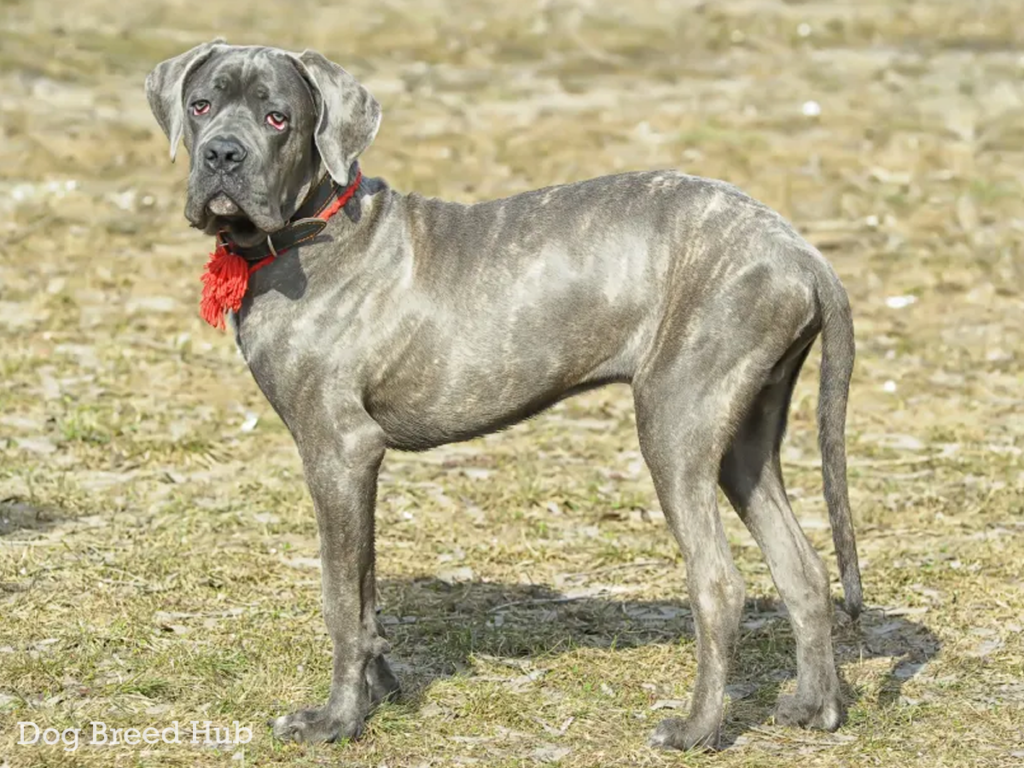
(824, 714)
(314, 726)
(676, 733)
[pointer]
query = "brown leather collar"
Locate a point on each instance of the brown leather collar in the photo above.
(307, 223)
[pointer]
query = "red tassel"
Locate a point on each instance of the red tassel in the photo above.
(225, 282)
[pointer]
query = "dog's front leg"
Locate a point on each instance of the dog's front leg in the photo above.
(341, 456)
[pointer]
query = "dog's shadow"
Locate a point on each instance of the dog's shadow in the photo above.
(19, 516)
(436, 629)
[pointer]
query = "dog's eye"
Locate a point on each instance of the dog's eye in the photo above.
(200, 107)
(277, 120)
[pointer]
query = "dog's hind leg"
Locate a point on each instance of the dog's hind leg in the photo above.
(690, 398)
(752, 479)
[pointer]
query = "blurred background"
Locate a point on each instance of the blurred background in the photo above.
(158, 554)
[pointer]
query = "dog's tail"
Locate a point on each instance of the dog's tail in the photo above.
(837, 355)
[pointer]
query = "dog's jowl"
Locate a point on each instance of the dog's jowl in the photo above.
(373, 319)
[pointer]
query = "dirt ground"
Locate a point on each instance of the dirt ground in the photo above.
(157, 545)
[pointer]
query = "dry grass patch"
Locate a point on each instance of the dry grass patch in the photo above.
(157, 560)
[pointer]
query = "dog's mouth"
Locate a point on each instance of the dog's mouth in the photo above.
(241, 208)
(223, 213)
(222, 205)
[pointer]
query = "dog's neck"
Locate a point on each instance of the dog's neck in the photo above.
(308, 220)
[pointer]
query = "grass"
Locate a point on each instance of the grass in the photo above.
(158, 564)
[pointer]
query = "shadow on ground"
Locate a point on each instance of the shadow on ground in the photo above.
(19, 516)
(436, 629)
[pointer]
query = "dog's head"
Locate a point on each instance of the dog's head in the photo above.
(259, 124)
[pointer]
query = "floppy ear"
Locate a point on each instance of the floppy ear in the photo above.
(348, 116)
(165, 89)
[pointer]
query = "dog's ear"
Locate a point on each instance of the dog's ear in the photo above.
(165, 89)
(347, 115)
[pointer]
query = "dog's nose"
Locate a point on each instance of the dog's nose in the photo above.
(224, 154)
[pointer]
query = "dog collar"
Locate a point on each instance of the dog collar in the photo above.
(227, 273)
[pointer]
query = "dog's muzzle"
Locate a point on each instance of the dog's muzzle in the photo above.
(224, 154)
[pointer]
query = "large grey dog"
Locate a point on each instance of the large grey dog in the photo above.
(409, 322)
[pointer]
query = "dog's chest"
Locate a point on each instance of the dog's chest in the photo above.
(231, 319)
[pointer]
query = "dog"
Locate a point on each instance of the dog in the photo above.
(405, 322)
